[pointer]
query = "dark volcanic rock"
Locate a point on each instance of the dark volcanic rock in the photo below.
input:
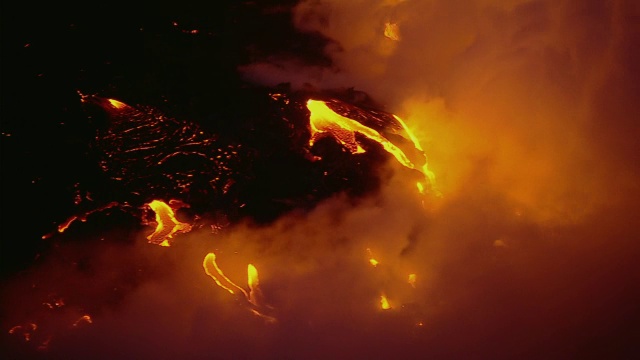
(154, 156)
(254, 162)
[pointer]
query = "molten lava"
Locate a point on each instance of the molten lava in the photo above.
(24, 330)
(384, 303)
(117, 104)
(84, 319)
(167, 224)
(324, 121)
(391, 31)
(412, 280)
(83, 217)
(253, 297)
(372, 260)
(254, 291)
(429, 175)
(211, 268)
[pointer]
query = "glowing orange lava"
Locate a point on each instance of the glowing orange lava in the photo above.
(253, 297)
(167, 224)
(211, 268)
(117, 104)
(391, 31)
(83, 217)
(324, 120)
(384, 303)
(412, 280)
(255, 294)
(83, 319)
(428, 174)
(24, 330)
(372, 261)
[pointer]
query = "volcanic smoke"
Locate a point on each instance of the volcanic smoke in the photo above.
(502, 223)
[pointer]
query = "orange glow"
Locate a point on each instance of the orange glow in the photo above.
(83, 319)
(324, 120)
(391, 31)
(252, 274)
(45, 344)
(253, 282)
(384, 303)
(167, 224)
(117, 104)
(25, 331)
(56, 302)
(372, 261)
(412, 280)
(428, 174)
(253, 297)
(212, 269)
(65, 225)
(269, 319)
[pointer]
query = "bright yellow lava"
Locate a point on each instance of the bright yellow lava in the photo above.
(324, 120)
(372, 260)
(391, 31)
(412, 280)
(252, 276)
(117, 104)
(253, 297)
(384, 303)
(83, 319)
(429, 175)
(167, 226)
(211, 268)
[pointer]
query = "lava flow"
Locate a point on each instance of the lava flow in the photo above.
(391, 31)
(253, 297)
(155, 157)
(384, 303)
(167, 224)
(324, 120)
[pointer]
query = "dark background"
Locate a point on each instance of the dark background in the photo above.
(180, 58)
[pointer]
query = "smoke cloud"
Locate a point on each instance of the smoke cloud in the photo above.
(527, 111)
(537, 86)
